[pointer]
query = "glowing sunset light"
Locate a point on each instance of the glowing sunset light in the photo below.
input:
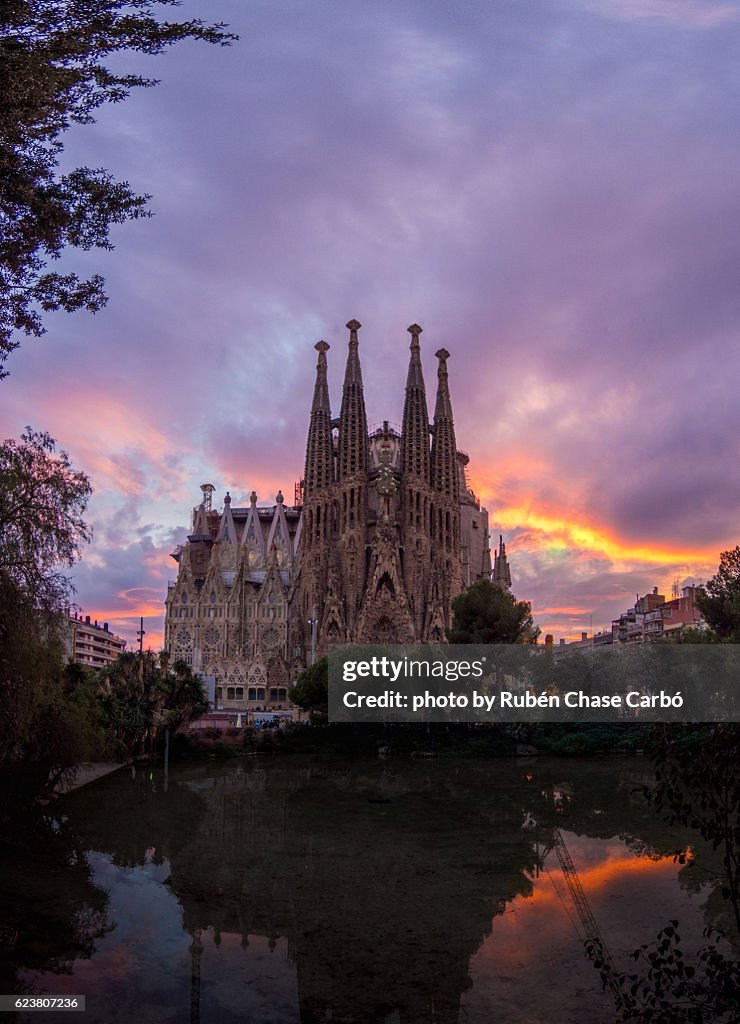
(549, 888)
(591, 538)
(561, 611)
(580, 270)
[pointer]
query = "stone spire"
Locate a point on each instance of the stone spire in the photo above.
(319, 457)
(501, 570)
(415, 454)
(352, 445)
(444, 447)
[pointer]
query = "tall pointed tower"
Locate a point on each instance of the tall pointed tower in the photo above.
(415, 485)
(352, 480)
(501, 571)
(319, 475)
(446, 580)
(318, 519)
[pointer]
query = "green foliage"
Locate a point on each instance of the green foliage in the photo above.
(693, 636)
(141, 696)
(719, 600)
(583, 739)
(54, 73)
(311, 691)
(673, 988)
(698, 787)
(47, 725)
(49, 719)
(486, 614)
(42, 501)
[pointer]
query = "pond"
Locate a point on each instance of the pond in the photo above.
(394, 891)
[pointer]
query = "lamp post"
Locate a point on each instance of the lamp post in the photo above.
(313, 622)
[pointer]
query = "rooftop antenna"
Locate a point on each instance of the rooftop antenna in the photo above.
(141, 633)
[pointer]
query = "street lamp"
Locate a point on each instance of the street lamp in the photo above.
(313, 622)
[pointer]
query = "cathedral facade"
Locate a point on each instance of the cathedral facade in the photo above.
(383, 534)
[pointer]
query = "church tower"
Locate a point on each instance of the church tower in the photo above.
(446, 581)
(501, 570)
(317, 517)
(415, 485)
(352, 481)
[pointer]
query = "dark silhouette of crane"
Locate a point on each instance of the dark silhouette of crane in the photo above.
(596, 947)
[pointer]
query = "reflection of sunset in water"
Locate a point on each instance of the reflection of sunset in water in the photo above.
(537, 945)
(399, 891)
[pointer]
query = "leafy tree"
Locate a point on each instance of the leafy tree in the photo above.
(311, 691)
(719, 599)
(140, 695)
(125, 689)
(49, 718)
(670, 987)
(54, 73)
(42, 502)
(692, 636)
(486, 614)
(47, 725)
(180, 696)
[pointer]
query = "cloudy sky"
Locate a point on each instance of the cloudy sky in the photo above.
(550, 187)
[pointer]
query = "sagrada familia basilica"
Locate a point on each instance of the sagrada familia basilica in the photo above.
(383, 534)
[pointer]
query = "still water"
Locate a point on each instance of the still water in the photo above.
(402, 892)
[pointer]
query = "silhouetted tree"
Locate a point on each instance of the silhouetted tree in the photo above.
(486, 614)
(719, 599)
(42, 502)
(53, 74)
(311, 691)
(140, 695)
(46, 726)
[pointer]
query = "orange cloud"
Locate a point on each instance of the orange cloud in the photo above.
(562, 611)
(589, 537)
(556, 516)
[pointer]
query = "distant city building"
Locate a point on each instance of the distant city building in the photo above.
(92, 644)
(650, 618)
(674, 617)
(383, 534)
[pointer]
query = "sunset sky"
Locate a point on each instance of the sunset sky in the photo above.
(551, 188)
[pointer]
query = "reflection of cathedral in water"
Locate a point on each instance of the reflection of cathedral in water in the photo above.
(380, 907)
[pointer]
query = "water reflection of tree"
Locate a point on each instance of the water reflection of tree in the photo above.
(51, 913)
(697, 786)
(133, 819)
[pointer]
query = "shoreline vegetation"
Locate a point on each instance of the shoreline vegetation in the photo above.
(461, 740)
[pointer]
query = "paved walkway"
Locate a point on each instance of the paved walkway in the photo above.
(89, 772)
